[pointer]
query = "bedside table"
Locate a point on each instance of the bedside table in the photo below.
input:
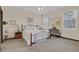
(18, 35)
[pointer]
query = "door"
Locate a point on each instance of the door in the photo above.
(1, 27)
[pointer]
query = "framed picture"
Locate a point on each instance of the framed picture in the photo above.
(29, 20)
(12, 22)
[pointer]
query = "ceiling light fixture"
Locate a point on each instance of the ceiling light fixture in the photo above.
(40, 8)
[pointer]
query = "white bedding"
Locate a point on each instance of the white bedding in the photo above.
(37, 35)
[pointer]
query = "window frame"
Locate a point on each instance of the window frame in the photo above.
(75, 16)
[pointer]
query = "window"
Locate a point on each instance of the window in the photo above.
(70, 20)
(45, 22)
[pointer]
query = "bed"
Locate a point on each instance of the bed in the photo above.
(33, 34)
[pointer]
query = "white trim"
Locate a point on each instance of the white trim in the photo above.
(75, 23)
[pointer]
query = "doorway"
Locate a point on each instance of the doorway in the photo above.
(1, 26)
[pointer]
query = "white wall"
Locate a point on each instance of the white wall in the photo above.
(74, 34)
(10, 13)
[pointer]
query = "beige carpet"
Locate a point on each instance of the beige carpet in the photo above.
(50, 45)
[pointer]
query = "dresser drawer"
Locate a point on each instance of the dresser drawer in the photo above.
(18, 35)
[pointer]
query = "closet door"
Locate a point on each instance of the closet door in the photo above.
(1, 26)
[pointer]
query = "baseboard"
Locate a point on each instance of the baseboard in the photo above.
(12, 38)
(69, 38)
(64, 37)
(8, 39)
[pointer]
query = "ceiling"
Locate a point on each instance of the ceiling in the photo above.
(34, 9)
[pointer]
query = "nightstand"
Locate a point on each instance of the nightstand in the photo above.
(18, 35)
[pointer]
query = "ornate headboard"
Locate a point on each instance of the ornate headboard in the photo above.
(28, 27)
